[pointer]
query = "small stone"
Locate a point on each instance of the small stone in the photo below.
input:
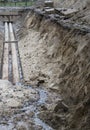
(13, 103)
(61, 106)
(43, 107)
(21, 128)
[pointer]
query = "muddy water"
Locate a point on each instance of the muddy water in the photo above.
(27, 114)
(43, 97)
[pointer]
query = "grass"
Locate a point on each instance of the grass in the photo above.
(12, 4)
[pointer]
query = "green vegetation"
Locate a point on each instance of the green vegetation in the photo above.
(16, 3)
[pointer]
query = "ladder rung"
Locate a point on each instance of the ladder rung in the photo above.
(10, 41)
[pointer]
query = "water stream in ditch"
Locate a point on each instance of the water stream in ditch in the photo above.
(10, 125)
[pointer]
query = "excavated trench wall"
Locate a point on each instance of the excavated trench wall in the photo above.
(59, 58)
(67, 50)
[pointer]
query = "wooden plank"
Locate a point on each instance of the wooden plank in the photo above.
(5, 58)
(14, 56)
(11, 41)
(69, 12)
(9, 13)
(49, 3)
(5, 63)
(65, 11)
(49, 11)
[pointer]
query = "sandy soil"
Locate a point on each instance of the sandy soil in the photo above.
(59, 59)
(35, 60)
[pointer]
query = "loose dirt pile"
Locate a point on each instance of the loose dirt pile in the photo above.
(14, 96)
(16, 109)
(59, 59)
(83, 7)
(20, 106)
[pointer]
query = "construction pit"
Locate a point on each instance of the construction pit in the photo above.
(44, 69)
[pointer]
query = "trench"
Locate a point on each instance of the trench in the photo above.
(54, 51)
(12, 71)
